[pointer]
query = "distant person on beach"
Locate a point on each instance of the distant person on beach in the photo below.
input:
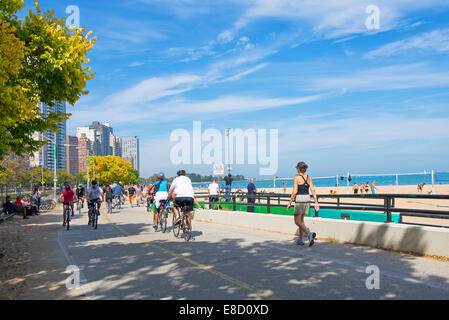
(373, 187)
(302, 185)
(228, 179)
(367, 187)
(251, 192)
(356, 188)
(285, 187)
(420, 187)
(362, 188)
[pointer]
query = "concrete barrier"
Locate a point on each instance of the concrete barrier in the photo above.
(392, 236)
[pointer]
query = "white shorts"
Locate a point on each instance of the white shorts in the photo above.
(160, 195)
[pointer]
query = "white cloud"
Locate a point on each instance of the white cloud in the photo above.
(395, 77)
(435, 41)
(331, 19)
(153, 89)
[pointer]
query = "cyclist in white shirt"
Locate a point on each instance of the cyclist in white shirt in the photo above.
(181, 191)
(94, 197)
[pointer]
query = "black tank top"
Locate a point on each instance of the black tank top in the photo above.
(304, 188)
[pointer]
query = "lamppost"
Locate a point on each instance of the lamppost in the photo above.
(229, 152)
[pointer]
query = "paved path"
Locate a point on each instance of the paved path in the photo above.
(126, 259)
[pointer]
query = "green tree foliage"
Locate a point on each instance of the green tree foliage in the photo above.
(41, 60)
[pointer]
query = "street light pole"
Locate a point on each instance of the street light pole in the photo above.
(55, 178)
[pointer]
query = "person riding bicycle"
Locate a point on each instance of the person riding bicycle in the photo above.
(109, 195)
(80, 194)
(68, 198)
(93, 197)
(160, 188)
(182, 192)
(149, 196)
(118, 191)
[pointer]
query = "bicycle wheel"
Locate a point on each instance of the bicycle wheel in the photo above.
(176, 228)
(163, 220)
(187, 231)
(67, 218)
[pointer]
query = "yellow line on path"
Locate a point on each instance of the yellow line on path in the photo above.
(260, 293)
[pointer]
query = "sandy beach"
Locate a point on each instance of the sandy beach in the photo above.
(411, 203)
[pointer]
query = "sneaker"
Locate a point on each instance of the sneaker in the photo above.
(73, 214)
(155, 227)
(89, 223)
(299, 242)
(311, 236)
(63, 224)
(26, 217)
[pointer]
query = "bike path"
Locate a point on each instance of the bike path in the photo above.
(126, 259)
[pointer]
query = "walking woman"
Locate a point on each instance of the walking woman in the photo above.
(302, 185)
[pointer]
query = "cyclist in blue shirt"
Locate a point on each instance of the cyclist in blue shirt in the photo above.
(161, 188)
(118, 190)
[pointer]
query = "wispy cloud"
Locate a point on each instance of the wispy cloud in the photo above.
(397, 77)
(434, 41)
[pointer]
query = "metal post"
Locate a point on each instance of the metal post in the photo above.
(234, 205)
(433, 182)
(55, 178)
(268, 204)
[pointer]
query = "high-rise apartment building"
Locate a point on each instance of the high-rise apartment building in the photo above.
(84, 147)
(45, 156)
(130, 149)
(72, 155)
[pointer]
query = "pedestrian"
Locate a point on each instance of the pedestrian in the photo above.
(285, 187)
(252, 191)
(373, 187)
(356, 188)
(302, 186)
(213, 191)
(228, 179)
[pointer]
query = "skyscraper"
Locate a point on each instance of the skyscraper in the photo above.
(84, 147)
(45, 156)
(130, 149)
(72, 155)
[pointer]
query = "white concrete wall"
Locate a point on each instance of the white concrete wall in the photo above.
(399, 237)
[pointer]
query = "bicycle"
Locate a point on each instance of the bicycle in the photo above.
(67, 215)
(79, 205)
(163, 215)
(186, 229)
(95, 214)
(109, 202)
(118, 202)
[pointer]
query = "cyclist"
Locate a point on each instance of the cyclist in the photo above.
(68, 198)
(118, 191)
(160, 188)
(80, 194)
(109, 195)
(138, 195)
(182, 192)
(149, 197)
(93, 197)
(131, 194)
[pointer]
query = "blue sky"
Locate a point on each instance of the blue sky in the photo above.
(343, 97)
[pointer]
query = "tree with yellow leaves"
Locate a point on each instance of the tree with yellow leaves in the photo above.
(110, 169)
(41, 60)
